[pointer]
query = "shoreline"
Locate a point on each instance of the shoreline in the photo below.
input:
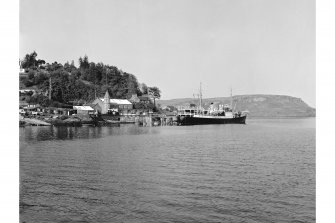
(76, 122)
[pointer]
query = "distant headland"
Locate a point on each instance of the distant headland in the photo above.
(258, 105)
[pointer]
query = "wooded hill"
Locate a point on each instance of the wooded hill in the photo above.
(75, 85)
(257, 105)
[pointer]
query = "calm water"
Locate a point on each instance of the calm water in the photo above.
(260, 172)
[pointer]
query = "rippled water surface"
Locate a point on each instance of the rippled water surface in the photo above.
(260, 172)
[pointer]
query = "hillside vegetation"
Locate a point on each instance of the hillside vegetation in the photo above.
(257, 105)
(76, 85)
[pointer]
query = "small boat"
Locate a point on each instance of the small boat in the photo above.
(197, 115)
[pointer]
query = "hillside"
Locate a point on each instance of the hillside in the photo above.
(65, 84)
(257, 105)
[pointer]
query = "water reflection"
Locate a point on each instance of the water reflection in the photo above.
(45, 133)
(260, 172)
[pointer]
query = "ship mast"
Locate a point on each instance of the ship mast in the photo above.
(200, 97)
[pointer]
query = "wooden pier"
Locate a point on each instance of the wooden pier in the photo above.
(142, 120)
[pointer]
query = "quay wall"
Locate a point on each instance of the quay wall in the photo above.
(150, 120)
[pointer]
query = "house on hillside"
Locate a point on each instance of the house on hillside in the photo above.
(23, 104)
(30, 109)
(58, 111)
(27, 92)
(134, 99)
(141, 104)
(146, 99)
(107, 105)
(83, 110)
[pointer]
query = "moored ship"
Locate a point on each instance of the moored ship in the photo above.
(211, 119)
(222, 114)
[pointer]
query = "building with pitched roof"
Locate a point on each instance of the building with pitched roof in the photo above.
(84, 110)
(107, 105)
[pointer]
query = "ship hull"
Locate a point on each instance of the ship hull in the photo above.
(190, 120)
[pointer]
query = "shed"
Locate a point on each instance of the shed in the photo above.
(84, 110)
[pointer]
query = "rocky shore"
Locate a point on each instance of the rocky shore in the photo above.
(54, 120)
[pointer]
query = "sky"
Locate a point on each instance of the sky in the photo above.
(251, 46)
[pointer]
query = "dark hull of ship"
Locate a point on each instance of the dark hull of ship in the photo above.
(189, 120)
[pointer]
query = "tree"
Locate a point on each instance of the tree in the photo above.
(143, 88)
(83, 63)
(54, 66)
(29, 61)
(31, 74)
(141, 105)
(155, 93)
(40, 77)
(69, 67)
(39, 99)
(40, 62)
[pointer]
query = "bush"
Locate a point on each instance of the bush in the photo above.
(31, 74)
(39, 78)
(40, 99)
(28, 83)
(141, 105)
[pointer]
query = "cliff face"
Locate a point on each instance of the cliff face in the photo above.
(257, 105)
